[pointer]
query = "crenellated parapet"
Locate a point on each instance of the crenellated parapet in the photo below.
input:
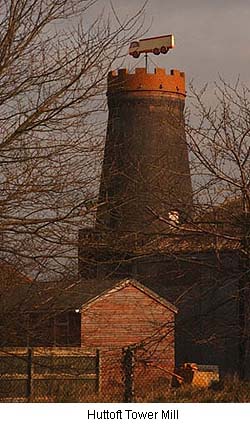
(141, 81)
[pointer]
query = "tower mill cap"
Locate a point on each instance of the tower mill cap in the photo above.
(141, 80)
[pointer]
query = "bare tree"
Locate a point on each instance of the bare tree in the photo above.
(219, 141)
(53, 68)
(214, 243)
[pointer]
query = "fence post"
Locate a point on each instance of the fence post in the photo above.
(97, 371)
(128, 366)
(29, 375)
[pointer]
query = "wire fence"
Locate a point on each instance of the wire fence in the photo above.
(80, 375)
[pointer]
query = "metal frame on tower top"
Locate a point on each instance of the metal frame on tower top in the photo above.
(146, 61)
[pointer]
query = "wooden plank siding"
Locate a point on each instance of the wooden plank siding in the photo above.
(123, 318)
(130, 317)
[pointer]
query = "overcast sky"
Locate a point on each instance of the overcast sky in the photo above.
(212, 37)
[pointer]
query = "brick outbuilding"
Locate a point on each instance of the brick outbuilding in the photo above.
(130, 314)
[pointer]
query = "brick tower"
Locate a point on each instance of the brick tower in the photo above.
(145, 173)
(145, 169)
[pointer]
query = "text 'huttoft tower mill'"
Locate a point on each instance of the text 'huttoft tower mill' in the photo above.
(145, 173)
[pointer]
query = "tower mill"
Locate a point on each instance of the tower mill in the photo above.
(145, 168)
(145, 173)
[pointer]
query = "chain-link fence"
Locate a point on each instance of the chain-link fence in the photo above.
(130, 374)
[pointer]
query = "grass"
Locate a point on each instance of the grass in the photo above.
(229, 390)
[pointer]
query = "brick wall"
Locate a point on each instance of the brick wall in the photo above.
(129, 317)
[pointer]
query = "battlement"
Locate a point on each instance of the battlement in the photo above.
(141, 81)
